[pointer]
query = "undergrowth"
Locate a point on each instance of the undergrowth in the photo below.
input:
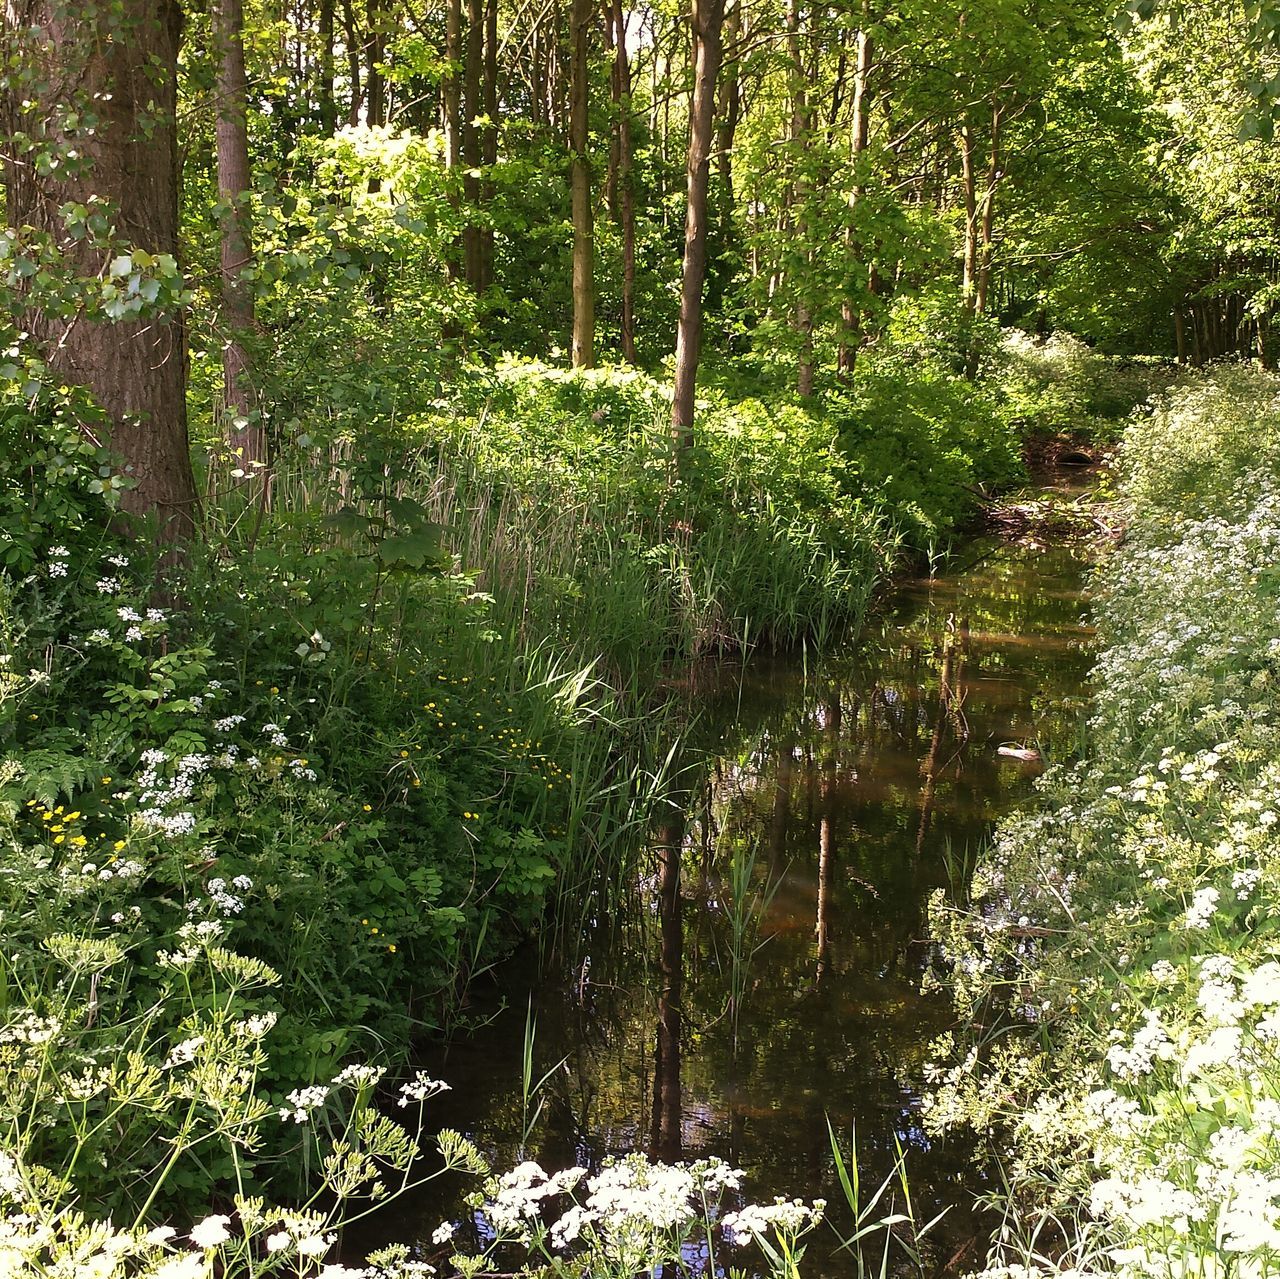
(1120, 955)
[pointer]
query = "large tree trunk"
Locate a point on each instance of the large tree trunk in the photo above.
(116, 59)
(625, 186)
(707, 20)
(243, 425)
(584, 289)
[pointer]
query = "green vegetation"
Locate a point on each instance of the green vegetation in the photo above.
(1118, 944)
(400, 401)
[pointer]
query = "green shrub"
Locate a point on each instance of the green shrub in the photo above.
(1189, 453)
(929, 441)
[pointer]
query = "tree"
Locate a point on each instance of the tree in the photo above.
(584, 290)
(623, 177)
(707, 23)
(98, 93)
(243, 430)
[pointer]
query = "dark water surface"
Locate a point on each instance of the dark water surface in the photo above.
(767, 978)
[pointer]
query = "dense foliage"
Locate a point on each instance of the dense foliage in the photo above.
(340, 610)
(1119, 942)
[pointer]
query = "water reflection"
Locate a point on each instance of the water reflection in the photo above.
(771, 981)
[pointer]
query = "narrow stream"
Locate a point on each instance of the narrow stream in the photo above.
(768, 978)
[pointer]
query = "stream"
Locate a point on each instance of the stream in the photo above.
(767, 978)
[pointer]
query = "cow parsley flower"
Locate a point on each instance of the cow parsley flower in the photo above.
(211, 1231)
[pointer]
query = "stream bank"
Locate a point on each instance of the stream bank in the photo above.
(769, 978)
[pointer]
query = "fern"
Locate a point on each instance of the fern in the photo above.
(49, 773)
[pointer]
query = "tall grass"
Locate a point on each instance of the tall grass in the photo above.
(584, 572)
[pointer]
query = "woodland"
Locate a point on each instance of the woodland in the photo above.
(404, 404)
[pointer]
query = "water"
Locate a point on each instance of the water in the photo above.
(766, 980)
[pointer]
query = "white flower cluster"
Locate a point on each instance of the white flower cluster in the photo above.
(784, 1217)
(1154, 872)
(302, 1101)
(359, 1075)
(420, 1088)
(628, 1217)
(223, 899)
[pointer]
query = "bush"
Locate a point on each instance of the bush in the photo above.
(929, 441)
(1061, 384)
(1189, 454)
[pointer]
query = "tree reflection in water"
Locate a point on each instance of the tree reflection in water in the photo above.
(854, 781)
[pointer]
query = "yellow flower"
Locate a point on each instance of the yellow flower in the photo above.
(368, 808)
(374, 931)
(404, 754)
(118, 845)
(392, 948)
(106, 781)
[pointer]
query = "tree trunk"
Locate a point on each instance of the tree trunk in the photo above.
(118, 60)
(626, 189)
(584, 292)
(799, 135)
(242, 429)
(489, 137)
(353, 62)
(969, 279)
(722, 255)
(707, 21)
(986, 242)
(730, 114)
(850, 312)
(375, 52)
(328, 104)
(451, 85)
(472, 156)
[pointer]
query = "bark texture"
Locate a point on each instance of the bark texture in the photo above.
(708, 24)
(624, 179)
(118, 59)
(243, 432)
